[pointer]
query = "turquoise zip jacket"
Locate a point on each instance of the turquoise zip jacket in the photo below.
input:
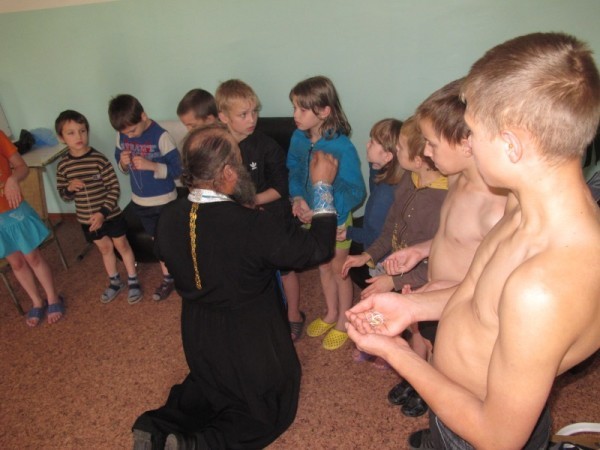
(348, 188)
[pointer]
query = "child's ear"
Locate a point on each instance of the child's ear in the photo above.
(389, 156)
(324, 113)
(465, 145)
(512, 145)
(223, 117)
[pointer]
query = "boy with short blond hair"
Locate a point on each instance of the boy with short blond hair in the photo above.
(147, 153)
(197, 108)
(527, 310)
(265, 160)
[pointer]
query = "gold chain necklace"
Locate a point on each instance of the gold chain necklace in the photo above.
(193, 217)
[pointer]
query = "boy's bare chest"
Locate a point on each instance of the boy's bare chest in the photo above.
(499, 256)
(460, 220)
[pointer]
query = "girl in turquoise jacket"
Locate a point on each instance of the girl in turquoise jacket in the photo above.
(322, 125)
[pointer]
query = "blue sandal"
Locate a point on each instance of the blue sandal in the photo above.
(57, 308)
(296, 328)
(35, 313)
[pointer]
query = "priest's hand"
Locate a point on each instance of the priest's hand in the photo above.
(323, 167)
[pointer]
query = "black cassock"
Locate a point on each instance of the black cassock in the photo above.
(242, 389)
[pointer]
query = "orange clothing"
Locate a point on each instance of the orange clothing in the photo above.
(7, 149)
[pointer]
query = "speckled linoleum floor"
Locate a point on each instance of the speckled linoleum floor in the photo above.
(81, 383)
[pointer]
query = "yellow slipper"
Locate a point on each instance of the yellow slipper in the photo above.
(317, 327)
(335, 339)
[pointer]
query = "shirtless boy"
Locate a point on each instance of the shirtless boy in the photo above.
(513, 324)
(468, 213)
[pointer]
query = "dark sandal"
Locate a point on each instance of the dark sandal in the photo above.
(400, 393)
(134, 294)
(57, 308)
(296, 328)
(421, 440)
(35, 313)
(414, 406)
(111, 292)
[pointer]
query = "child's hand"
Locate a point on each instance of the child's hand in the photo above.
(402, 261)
(341, 234)
(378, 285)
(301, 210)
(125, 160)
(377, 344)
(12, 192)
(297, 206)
(75, 185)
(141, 163)
(96, 221)
(397, 310)
(305, 215)
(354, 261)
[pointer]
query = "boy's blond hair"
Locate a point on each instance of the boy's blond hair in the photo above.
(231, 90)
(545, 83)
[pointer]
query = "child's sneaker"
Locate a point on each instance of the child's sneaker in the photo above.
(113, 289)
(164, 290)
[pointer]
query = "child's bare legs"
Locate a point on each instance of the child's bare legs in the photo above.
(26, 279)
(291, 287)
(24, 268)
(122, 245)
(164, 269)
(166, 286)
(330, 292)
(44, 275)
(106, 245)
(109, 258)
(337, 291)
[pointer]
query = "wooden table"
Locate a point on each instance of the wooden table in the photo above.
(33, 185)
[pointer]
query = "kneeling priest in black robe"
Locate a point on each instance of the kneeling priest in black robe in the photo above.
(244, 380)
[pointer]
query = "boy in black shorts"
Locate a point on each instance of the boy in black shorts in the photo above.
(86, 176)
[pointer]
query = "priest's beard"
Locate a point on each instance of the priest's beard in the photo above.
(244, 191)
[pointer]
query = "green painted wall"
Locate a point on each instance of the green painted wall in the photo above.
(385, 56)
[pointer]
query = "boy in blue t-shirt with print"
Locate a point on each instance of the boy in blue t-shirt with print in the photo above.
(148, 154)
